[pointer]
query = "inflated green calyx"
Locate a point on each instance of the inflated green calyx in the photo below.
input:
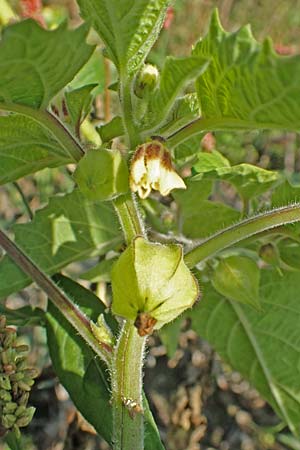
(102, 174)
(152, 285)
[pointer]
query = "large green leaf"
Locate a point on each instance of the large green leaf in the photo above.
(26, 147)
(36, 64)
(237, 278)
(128, 28)
(70, 228)
(200, 217)
(263, 345)
(176, 73)
(184, 110)
(249, 180)
(246, 84)
(83, 375)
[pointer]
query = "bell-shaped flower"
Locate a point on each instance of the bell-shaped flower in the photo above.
(151, 168)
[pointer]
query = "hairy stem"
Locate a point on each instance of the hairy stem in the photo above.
(131, 131)
(52, 124)
(203, 125)
(128, 419)
(127, 386)
(235, 233)
(129, 217)
(69, 310)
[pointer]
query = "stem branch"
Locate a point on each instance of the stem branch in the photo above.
(203, 125)
(241, 231)
(69, 310)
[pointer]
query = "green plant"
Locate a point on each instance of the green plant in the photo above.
(247, 314)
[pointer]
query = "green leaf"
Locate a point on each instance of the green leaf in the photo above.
(84, 376)
(61, 233)
(111, 129)
(91, 73)
(289, 252)
(185, 110)
(79, 103)
(25, 316)
(100, 272)
(262, 345)
(237, 278)
(102, 174)
(26, 147)
(246, 84)
(249, 180)
(176, 73)
(200, 217)
(285, 193)
(36, 64)
(188, 149)
(128, 28)
(210, 161)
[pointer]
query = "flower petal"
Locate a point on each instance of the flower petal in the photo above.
(169, 180)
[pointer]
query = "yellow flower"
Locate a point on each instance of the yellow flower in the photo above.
(151, 168)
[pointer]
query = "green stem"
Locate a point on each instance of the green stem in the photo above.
(52, 124)
(24, 200)
(203, 125)
(127, 112)
(128, 419)
(129, 218)
(69, 310)
(241, 231)
(127, 386)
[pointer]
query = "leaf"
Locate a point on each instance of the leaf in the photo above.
(262, 345)
(84, 376)
(285, 193)
(289, 252)
(187, 149)
(26, 147)
(25, 316)
(176, 73)
(210, 161)
(79, 103)
(111, 129)
(36, 64)
(247, 85)
(102, 174)
(69, 229)
(128, 28)
(91, 73)
(201, 217)
(100, 272)
(185, 110)
(249, 180)
(237, 278)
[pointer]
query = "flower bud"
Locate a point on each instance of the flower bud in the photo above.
(101, 331)
(102, 174)
(152, 285)
(151, 168)
(146, 81)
